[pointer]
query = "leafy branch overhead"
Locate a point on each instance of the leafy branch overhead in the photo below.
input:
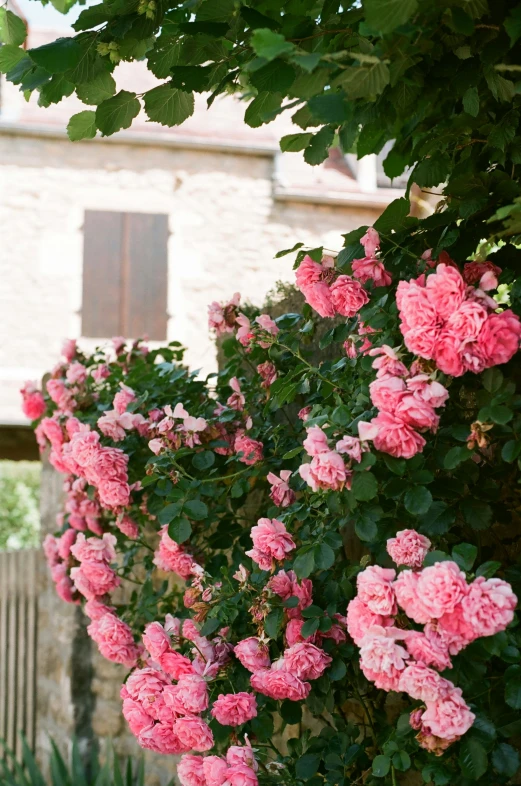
(440, 78)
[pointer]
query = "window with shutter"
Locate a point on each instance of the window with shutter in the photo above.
(125, 275)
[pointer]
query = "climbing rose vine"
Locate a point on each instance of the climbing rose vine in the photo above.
(307, 561)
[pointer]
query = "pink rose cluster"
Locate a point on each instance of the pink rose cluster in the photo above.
(114, 423)
(167, 432)
(58, 555)
(94, 577)
(112, 635)
(281, 493)
(328, 469)
(237, 768)
(302, 660)
(163, 702)
(453, 613)
(271, 543)
(406, 406)
(454, 323)
(226, 318)
(329, 293)
(33, 402)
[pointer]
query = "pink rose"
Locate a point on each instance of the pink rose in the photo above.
(429, 651)
(85, 448)
(190, 770)
(371, 242)
(448, 355)
(114, 639)
(446, 290)
(409, 598)
(52, 430)
(387, 392)
(215, 770)
(94, 578)
(449, 717)
(430, 391)
(326, 471)
(417, 413)
(156, 640)
(171, 557)
(423, 683)
(136, 717)
(271, 537)
(316, 441)
(360, 618)
(189, 696)
(123, 398)
(69, 349)
(348, 296)
(76, 373)
(114, 493)
(422, 341)
(94, 549)
(33, 402)
(233, 709)
(396, 437)
(241, 775)
(280, 493)
(352, 447)
(251, 449)
(282, 584)
(222, 318)
(415, 307)
(489, 606)
(381, 659)
(499, 338)
(128, 527)
(318, 296)
(293, 632)
(161, 738)
(408, 548)
(279, 685)
(175, 665)
(268, 372)
(467, 321)
(306, 661)
(371, 269)
(308, 273)
(441, 587)
(304, 413)
(193, 734)
(241, 754)
(375, 589)
(253, 655)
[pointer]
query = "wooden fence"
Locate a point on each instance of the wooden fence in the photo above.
(18, 645)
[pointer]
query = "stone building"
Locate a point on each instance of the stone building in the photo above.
(135, 234)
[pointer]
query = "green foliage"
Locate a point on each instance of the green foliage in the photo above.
(19, 501)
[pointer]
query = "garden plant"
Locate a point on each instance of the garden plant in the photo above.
(309, 561)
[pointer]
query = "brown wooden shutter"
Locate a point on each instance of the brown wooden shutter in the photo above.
(125, 275)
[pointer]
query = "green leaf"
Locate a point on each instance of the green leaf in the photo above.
(269, 44)
(204, 460)
(476, 513)
(117, 112)
(504, 132)
(387, 15)
(292, 453)
(366, 529)
(492, 379)
(62, 55)
(292, 143)
(274, 77)
(472, 758)
(337, 670)
(401, 761)
(455, 456)
(169, 512)
(162, 58)
(304, 564)
(381, 766)
(190, 78)
(255, 19)
(10, 56)
(82, 126)
(510, 450)
(502, 89)
(418, 500)
(12, 28)
(505, 760)
(432, 171)
(487, 569)
(309, 627)
(328, 108)
(318, 149)
(363, 81)
(393, 216)
(308, 62)
(168, 106)
(500, 414)
(291, 711)
(262, 725)
(364, 486)
(102, 87)
(196, 509)
(261, 107)
(513, 689)
(273, 622)
(471, 101)
(465, 555)
(324, 556)
(307, 766)
(179, 530)
(513, 24)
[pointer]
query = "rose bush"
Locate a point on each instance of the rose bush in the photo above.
(320, 540)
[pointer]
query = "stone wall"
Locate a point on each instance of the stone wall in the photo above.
(227, 219)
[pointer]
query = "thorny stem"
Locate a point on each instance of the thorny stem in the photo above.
(393, 774)
(312, 368)
(368, 714)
